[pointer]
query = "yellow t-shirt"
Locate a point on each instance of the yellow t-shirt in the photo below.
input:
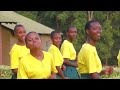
(88, 60)
(16, 53)
(32, 68)
(68, 51)
(57, 56)
(118, 57)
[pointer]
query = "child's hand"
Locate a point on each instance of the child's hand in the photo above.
(53, 76)
(109, 70)
(76, 64)
(63, 67)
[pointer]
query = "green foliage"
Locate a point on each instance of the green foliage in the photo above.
(107, 47)
(65, 19)
(100, 16)
(5, 72)
(30, 14)
(48, 18)
(106, 42)
(114, 75)
(80, 22)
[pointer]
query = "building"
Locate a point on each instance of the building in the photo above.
(8, 20)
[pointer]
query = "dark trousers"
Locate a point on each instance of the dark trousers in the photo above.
(14, 76)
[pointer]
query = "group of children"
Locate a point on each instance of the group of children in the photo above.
(29, 61)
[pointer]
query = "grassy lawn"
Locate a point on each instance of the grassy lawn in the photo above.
(6, 73)
(115, 75)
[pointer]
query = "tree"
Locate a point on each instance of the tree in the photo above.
(106, 41)
(30, 14)
(59, 20)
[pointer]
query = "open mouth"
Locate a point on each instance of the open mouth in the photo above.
(23, 37)
(98, 35)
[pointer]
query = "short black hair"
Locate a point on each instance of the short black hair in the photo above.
(70, 27)
(53, 33)
(19, 25)
(87, 26)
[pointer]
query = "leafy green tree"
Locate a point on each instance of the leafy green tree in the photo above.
(30, 14)
(59, 20)
(116, 37)
(106, 42)
(49, 18)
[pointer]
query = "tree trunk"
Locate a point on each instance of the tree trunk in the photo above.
(90, 15)
(106, 62)
(58, 23)
(107, 16)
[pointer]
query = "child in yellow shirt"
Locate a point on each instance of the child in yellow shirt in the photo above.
(89, 64)
(18, 50)
(69, 54)
(54, 50)
(38, 64)
(118, 57)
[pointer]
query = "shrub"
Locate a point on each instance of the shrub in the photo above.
(115, 75)
(5, 72)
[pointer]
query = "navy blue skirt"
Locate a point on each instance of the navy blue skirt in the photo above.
(71, 72)
(14, 76)
(85, 76)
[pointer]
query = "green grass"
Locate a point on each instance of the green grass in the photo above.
(115, 75)
(5, 72)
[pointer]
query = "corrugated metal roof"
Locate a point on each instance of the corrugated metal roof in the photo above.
(30, 25)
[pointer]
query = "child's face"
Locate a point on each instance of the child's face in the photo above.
(56, 40)
(33, 41)
(72, 33)
(20, 33)
(95, 31)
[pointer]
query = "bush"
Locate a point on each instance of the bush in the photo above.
(5, 72)
(115, 75)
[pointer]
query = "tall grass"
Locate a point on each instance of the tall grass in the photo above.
(5, 72)
(115, 75)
